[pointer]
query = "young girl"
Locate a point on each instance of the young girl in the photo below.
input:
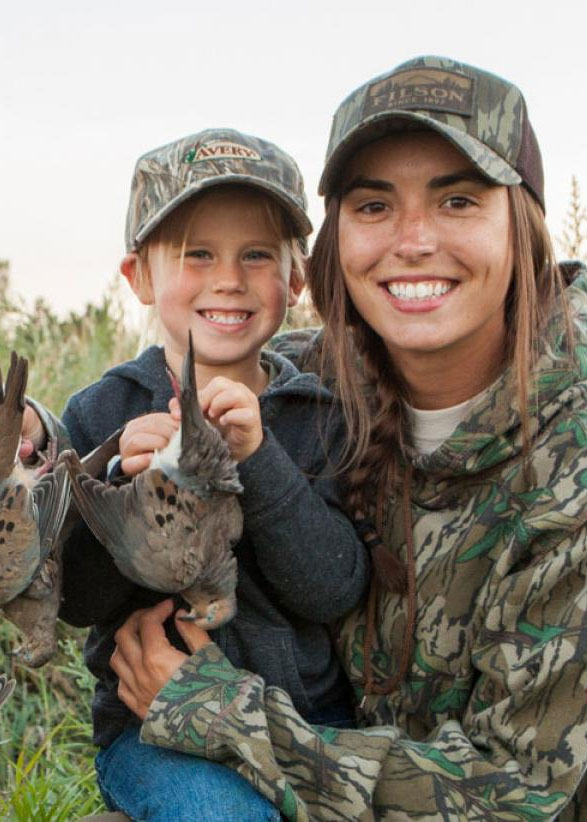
(215, 233)
(469, 449)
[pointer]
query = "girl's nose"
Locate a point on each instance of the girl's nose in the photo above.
(229, 277)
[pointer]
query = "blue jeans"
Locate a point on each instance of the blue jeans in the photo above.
(150, 783)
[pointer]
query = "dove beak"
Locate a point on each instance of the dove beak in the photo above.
(216, 613)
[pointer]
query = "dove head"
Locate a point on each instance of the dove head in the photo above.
(208, 610)
(212, 597)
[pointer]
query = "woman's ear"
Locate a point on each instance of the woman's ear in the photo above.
(136, 273)
(296, 284)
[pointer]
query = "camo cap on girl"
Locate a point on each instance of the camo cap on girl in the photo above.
(167, 176)
(484, 116)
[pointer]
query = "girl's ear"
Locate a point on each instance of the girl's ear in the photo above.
(296, 284)
(139, 279)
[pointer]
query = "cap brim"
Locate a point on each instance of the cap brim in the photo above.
(298, 215)
(392, 122)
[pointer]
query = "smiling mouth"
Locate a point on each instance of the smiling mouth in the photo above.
(422, 290)
(226, 317)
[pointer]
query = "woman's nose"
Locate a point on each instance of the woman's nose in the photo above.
(416, 235)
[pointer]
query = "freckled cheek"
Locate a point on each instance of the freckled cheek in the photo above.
(173, 294)
(358, 254)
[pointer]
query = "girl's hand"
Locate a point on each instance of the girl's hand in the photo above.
(234, 408)
(33, 434)
(142, 437)
(144, 659)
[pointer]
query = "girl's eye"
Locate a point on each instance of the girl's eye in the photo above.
(257, 254)
(198, 254)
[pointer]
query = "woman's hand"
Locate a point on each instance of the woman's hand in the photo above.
(33, 434)
(144, 659)
(142, 437)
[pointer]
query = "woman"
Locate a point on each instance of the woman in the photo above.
(467, 450)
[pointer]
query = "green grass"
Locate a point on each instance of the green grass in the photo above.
(46, 755)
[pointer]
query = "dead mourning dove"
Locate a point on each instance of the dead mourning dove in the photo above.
(33, 505)
(35, 610)
(171, 528)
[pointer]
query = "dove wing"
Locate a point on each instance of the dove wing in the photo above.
(19, 541)
(144, 527)
(12, 403)
(51, 497)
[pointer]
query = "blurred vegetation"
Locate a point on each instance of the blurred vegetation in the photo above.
(67, 353)
(573, 240)
(46, 755)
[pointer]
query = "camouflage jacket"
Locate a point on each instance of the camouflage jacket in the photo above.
(490, 721)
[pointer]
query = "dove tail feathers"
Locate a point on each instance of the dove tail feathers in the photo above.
(204, 452)
(13, 394)
(12, 405)
(192, 419)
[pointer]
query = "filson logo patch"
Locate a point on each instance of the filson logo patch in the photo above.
(429, 88)
(219, 149)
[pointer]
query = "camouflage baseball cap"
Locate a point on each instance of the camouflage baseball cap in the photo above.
(167, 176)
(484, 116)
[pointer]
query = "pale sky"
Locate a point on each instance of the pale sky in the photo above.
(88, 87)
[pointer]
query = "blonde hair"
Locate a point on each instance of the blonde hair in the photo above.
(174, 230)
(374, 395)
(172, 234)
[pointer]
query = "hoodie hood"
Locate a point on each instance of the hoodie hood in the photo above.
(491, 433)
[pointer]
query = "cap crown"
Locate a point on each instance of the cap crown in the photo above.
(484, 115)
(167, 176)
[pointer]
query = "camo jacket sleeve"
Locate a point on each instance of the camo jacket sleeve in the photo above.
(516, 748)
(53, 426)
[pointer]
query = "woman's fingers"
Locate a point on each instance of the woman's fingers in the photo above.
(150, 628)
(193, 636)
(144, 659)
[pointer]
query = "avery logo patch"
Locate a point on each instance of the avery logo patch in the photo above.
(429, 88)
(220, 149)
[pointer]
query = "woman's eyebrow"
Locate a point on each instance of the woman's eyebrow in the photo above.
(443, 181)
(468, 175)
(367, 182)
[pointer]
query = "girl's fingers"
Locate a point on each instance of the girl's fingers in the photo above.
(227, 400)
(240, 417)
(131, 466)
(174, 409)
(142, 442)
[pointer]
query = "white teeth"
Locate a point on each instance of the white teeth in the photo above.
(418, 291)
(228, 318)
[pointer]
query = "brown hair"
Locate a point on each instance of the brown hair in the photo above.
(373, 392)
